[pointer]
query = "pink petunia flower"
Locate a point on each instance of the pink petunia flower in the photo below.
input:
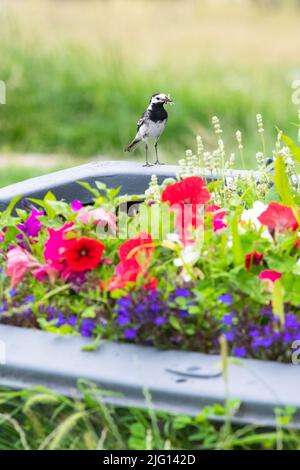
(98, 216)
(19, 263)
(45, 272)
(270, 275)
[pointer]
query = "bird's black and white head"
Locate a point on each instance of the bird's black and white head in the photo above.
(160, 99)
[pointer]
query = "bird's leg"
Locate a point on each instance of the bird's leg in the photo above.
(157, 162)
(146, 153)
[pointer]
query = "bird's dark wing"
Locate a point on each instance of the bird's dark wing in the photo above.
(142, 119)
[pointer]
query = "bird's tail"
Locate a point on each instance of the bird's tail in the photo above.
(132, 145)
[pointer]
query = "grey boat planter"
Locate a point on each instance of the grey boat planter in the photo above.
(132, 176)
(179, 382)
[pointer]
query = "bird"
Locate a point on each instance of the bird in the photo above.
(151, 125)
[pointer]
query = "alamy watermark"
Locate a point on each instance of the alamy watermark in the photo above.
(296, 352)
(2, 92)
(155, 219)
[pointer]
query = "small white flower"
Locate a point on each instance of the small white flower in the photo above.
(173, 237)
(251, 215)
(238, 135)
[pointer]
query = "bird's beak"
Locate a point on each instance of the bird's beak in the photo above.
(168, 99)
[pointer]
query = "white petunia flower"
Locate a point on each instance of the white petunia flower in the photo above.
(251, 215)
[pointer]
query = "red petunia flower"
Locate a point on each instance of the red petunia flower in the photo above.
(135, 255)
(191, 190)
(82, 254)
(139, 248)
(185, 199)
(253, 258)
(279, 218)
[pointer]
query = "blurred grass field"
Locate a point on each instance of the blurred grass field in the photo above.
(79, 74)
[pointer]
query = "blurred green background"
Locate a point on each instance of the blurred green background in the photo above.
(78, 75)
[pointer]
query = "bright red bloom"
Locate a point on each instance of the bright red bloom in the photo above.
(191, 190)
(279, 218)
(139, 248)
(185, 198)
(82, 254)
(135, 255)
(253, 258)
(270, 275)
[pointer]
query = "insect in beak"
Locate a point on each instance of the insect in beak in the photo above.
(168, 99)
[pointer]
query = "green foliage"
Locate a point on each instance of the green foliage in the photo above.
(282, 183)
(69, 100)
(40, 419)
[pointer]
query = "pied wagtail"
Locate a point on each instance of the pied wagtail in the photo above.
(151, 124)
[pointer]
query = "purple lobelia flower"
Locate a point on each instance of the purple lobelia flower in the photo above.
(63, 320)
(262, 336)
(160, 321)
(130, 333)
(87, 327)
(181, 292)
(226, 298)
(239, 351)
(228, 319)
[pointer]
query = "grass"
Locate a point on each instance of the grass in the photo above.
(79, 77)
(40, 419)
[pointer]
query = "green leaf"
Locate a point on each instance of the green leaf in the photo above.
(282, 183)
(181, 422)
(92, 347)
(272, 195)
(12, 204)
(237, 251)
(277, 301)
(58, 207)
(50, 196)
(138, 430)
(89, 188)
(175, 323)
(101, 186)
(293, 148)
(89, 312)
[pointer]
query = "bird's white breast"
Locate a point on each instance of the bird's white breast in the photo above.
(152, 129)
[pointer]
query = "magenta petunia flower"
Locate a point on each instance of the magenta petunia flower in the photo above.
(218, 216)
(76, 205)
(270, 275)
(54, 247)
(32, 226)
